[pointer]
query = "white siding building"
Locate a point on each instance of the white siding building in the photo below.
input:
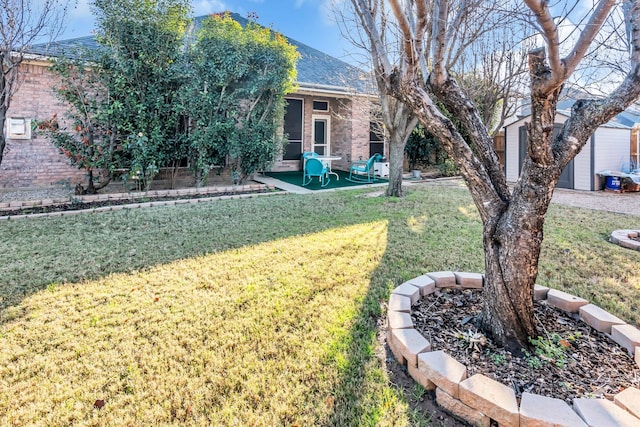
(608, 149)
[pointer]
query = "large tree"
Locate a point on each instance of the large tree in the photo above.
(512, 219)
(23, 22)
(237, 79)
(140, 64)
(484, 62)
(85, 135)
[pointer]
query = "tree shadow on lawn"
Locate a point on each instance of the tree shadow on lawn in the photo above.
(128, 241)
(39, 253)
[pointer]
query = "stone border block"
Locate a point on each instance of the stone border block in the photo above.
(492, 398)
(408, 290)
(564, 301)
(469, 280)
(542, 411)
(443, 279)
(460, 410)
(599, 319)
(420, 377)
(540, 292)
(410, 343)
(399, 303)
(601, 412)
(425, 283)
(629, 400)
(395, 350)
(482, 400)
(627, 336)
(399, 320)
(443, 370)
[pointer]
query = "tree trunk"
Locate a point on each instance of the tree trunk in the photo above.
(396, 160)
(3, 141)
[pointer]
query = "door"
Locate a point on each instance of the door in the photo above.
(321, 132)
(566, 178)
(293, 127)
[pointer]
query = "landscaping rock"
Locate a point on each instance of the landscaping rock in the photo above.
(543, 411)
(492, 398)
(443, 370)
(599, 319)
(564, 301)
(601, 412)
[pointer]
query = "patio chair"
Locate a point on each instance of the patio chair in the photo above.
(362, 170)
(314, 168)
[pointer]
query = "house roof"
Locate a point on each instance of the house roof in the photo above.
(624, 120)
(317, 71)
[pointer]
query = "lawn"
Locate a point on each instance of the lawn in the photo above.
(261, 311)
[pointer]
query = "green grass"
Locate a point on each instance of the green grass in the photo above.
(249, 312)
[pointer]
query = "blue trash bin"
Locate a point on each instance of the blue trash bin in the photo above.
(613, 183)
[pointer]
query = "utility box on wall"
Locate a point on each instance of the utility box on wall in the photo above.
(19, 128)
(381, 169)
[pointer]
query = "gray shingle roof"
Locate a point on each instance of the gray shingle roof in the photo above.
(316, 70)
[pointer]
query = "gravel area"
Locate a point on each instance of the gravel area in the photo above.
(624, 203)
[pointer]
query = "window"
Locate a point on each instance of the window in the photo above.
(19, 128)
(293, 129)
(320, 105)
(376, 139)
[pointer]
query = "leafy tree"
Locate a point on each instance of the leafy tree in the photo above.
(86, 137)
(23, 22)
(422, 148)
(513, 220)
(235, 97)
(141, 64)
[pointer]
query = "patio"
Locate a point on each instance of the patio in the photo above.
(294, 179)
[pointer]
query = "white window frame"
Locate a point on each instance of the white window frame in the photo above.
(327, 119)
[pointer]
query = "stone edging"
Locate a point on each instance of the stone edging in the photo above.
(625, 238)
(8, 206)
(480, 399)
(126, 196)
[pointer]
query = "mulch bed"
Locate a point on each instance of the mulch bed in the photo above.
(574, 361)
(80, 205)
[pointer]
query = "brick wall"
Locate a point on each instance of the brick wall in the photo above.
(349, 130)
(35, 162)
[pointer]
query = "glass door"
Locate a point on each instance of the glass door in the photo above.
(321, 141)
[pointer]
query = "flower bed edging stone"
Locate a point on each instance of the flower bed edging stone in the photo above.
(480, 399)
(625, 238)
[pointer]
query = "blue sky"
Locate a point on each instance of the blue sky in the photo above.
(308, 21)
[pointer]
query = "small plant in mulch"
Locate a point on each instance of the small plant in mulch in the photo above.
(567, 360)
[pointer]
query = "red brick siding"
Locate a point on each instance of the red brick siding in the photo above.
(349, 130)
(35, 162)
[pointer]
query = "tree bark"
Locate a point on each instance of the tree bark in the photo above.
(3, 141)
(396, 160)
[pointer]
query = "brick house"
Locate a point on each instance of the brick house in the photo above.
(329, 114)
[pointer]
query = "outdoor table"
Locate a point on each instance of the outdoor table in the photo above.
(327, 160)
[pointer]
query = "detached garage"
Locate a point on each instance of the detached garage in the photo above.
(608, 149)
